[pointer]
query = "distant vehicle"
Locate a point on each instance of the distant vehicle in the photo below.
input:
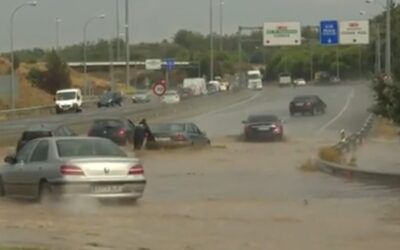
(171, 97)
(52, 168)
(110, 99)
(178, 134)
(216, 84)
(197, 85)
(307, 104)
(300, 82)
(68, 100)
(43, 130)
(141, 96)
(254, 80)
(285, 79)
(335, 79)
(322, 77)
(263, 127)
(185, 93)
(212, 89)
(224, 86)
(119, 130)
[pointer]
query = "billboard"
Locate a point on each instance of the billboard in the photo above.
(282, 34)
(354, 32)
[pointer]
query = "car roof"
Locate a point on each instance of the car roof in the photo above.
(54, 139)
(68, 90)
(42, 127)
(305, 97)
(263, 116)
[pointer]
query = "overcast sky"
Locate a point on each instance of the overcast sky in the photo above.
(154, 20)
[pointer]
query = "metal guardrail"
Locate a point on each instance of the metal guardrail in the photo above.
(353, 141)
(14, 113)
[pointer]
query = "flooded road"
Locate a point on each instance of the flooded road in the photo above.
(234, 195)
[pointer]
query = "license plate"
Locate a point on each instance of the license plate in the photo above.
(299, 104)
(163, 139)
(107, 189)
(264, 128)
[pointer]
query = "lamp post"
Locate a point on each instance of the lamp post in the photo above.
(388, 50)
(58, 21)
(378, 63)
(32, 4)
(102, 16)
(221, 24)
(211, 42)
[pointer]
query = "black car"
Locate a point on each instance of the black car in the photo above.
(110, 99)
(311, 104)
(263, 127)
(121, 131)
(43, 130)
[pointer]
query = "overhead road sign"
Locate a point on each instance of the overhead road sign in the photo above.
(329, 32)
(170, 64)
(282, 34)
(354, 32)
(153, 64)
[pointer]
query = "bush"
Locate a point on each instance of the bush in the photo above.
(331, 154)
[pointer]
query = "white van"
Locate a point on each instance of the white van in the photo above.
(68, 100)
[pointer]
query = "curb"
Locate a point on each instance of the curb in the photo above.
(368, 176)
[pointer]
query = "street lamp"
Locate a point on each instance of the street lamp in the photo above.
(388, 66)
(84, 48)
(211, 42)
(377, 45)
(221, 24)
(58, 21)
(32, 4)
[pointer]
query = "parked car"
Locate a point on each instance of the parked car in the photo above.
(43, 130)
(263, 127)
(178, 134)
(110, 99)
(171, 96)
(212, 89)
(185, 93)
(335, 79)
(307, 104)
(50, 168)
(121, 131)
(300, 82)
(141, 96)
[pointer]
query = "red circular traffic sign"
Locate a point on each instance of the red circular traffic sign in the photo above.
(159, 89)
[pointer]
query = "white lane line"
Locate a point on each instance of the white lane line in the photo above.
(334, 119)
(231, 106)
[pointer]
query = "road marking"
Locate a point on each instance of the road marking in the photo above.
(334, 119)
(231, 106)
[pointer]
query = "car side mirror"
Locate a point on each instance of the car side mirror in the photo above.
(10, 159)
(79, 98)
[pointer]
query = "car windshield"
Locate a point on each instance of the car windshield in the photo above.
(88, 148)
(168, 127)
(64, 96)
(107, 96)
(262, 118)
(254, 76)
(304, 98)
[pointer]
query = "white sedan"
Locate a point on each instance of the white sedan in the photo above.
(300, 82)
(171, 96)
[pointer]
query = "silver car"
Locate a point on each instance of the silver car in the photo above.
(141, 96)
(72, 166)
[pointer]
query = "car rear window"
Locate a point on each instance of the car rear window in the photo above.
(170, 127)
(108, 123)
(31, 135)
(262, 118)
(88, 148)
(304, 98)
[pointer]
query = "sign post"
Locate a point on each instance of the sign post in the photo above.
(153, 64)
(329, 36)
(354, 32)
(169, 66)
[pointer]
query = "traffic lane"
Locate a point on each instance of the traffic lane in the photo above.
(85, 115)
(272, 100)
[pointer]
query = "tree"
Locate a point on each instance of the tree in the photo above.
(58, 75)
(36, 77)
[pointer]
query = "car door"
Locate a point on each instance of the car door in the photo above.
(33, 171)
(201, 136)
(193, 134)
(12, 177)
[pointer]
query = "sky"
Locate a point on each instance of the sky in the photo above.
(155, 20)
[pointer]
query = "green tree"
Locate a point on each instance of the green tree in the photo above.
(36, 77)
(58, 75)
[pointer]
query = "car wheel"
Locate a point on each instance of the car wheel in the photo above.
(2, 189)
(313, 111)
(45, 195)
